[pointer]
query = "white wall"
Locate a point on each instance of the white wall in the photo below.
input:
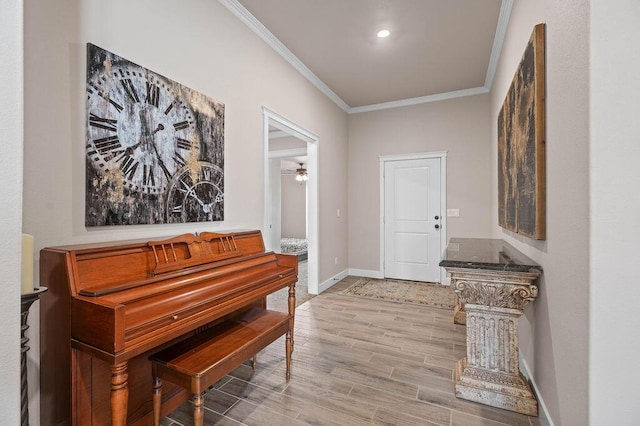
(614, 379)
(11, 121)
(554, 332)
(286, 143)
(459, 126)
(200, 44)
(294, 207)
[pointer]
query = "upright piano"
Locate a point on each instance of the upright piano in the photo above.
(111, 305)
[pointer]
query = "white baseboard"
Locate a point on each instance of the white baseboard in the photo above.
(331, 281)
(543, 414)
(366, 273)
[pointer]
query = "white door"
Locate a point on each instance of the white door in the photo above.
(412, 219)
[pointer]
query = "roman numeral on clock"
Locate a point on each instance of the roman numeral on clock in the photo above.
(103, 123)
(129, 165)
(181, 125)
(130, 89)
(148, 177)
(169, 108)
(180, 161)
(106, 97)
(206, 174)
(153, 94)
(116, 105)
(184, 144)
(108, 144)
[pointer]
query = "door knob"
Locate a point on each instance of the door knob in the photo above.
(437, 217)
(437, 226)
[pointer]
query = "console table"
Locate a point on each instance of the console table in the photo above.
(493, 281)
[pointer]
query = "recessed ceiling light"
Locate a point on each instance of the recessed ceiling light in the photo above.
(383, 33)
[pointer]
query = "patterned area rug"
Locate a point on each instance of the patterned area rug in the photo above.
(419, 293)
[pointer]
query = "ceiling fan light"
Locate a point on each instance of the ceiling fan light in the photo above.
(301, 173)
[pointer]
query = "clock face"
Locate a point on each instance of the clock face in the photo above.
(139, 131)
(196, 194)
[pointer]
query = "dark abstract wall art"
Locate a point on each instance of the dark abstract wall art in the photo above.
(521, 145)
(155, 148)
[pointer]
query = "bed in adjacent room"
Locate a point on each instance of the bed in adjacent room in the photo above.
(297, 246)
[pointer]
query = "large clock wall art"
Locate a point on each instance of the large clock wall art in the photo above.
(155, 148)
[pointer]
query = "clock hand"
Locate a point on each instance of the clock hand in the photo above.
(202, 204)
(129, 150)
(207, 207)
(160, 127)
(191, 192)
(155, 149)
(194, 195)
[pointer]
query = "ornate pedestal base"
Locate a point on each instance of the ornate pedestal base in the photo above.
(459, 314)
(490, 373)
(503, 392)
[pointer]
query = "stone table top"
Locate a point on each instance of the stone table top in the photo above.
(489, 254)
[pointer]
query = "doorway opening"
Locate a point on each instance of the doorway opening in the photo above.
(290, 204)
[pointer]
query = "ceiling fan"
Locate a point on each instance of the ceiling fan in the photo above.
(301, 173)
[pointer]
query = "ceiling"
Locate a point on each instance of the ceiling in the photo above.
(437, 49)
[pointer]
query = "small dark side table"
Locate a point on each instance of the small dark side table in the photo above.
(26, 300)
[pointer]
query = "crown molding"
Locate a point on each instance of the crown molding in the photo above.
(420, 100)
(256, 26)
(498, 40)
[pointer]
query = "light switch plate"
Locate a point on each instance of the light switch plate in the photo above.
(453, 212)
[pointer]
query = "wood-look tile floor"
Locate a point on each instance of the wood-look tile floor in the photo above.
(356, 361)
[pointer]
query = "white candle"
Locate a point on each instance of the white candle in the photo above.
(27, 263)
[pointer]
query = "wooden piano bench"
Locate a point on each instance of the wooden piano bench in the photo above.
(201, 360)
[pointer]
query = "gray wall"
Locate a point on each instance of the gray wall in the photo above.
(459, 126)
(554, 333)
(294, 207)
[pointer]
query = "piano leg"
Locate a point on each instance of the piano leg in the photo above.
(157, 398)
(292, 309)
(198, 410)
(288, 350)
(119, 394)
